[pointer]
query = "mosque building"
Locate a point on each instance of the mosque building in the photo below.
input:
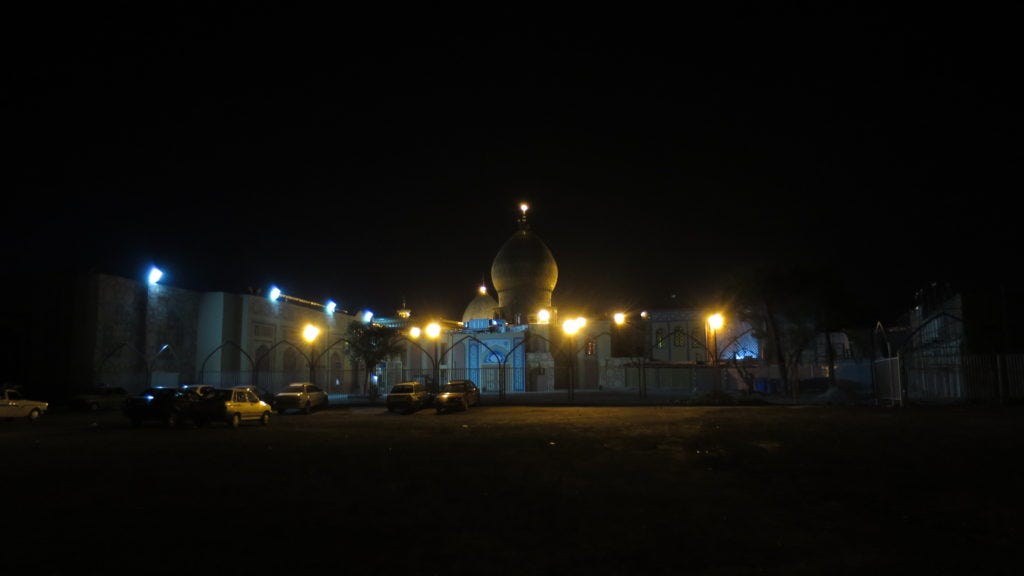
(508, 345)
(510, 339)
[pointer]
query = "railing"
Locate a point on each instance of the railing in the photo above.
(947, 379)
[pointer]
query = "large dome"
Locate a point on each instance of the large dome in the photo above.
(524, 261)
(524, 274)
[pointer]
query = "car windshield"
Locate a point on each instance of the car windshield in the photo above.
(401, 389)
(460, 387)
(294, 388)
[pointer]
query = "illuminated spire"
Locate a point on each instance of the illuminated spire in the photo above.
(523, 207)
(404, 312)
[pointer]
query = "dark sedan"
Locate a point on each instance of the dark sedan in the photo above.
(457, 395)
(168, 406)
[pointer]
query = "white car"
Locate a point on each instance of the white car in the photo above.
(13, 405)
(302, 396)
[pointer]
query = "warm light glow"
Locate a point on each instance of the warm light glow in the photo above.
(581, 321)
(331, 306)
(544, 316)
(715, 321)
(571, 326)
(310, 332)
(433, 330)
(620, 318)
(414, 332)
(275, 293)
(644, 314)
(483, 289)
(524, 207)
(155, 274)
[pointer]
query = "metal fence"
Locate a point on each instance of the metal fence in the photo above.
(950, 378)
(907, 378)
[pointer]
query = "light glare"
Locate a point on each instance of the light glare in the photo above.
(715, 321)
(155, 274)
(433, 330)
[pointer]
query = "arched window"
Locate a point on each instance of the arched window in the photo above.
(263, 360)
(291, 360)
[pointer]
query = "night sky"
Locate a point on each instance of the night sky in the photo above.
(370, 156)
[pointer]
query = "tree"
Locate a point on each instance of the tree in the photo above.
(788, 306)
(370, 344)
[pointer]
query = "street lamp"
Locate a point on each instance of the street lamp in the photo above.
(715, 322)
(309, 333)
(571, 327)
(629, 339)
(433, 331)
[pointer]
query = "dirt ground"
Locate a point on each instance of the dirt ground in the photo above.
(521, 490)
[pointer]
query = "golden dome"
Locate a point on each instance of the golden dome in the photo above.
(524, 274)
(482, 306)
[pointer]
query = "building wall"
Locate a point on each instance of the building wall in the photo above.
(143, 332)
(273, 332)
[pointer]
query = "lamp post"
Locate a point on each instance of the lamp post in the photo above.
(715, 322)
(433, 332)
(571, 327)
(620, 325)
(309, 333)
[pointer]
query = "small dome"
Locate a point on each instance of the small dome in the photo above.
(482, 307)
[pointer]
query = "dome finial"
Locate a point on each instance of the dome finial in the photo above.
(523, 207)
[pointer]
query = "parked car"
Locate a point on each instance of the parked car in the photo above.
(303, 396)
(169, 406)
(457, 395)
(14, 405)
(203, 390)
(407, 397)
(99, 398)
(264, 394)
(243, 404)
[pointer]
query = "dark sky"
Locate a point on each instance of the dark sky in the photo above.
(370, 156)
